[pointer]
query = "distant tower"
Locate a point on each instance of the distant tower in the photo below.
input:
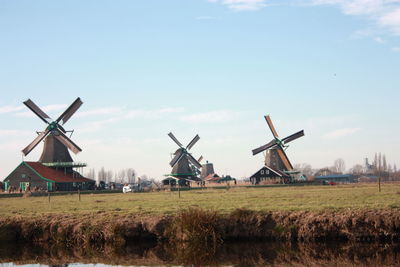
(206, 170)
(368, 167)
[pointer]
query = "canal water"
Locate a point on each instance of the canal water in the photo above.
(227, 254)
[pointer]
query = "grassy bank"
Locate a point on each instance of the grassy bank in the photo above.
(308, 198)
(204, 227)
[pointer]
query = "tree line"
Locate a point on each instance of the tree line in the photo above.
(378, 167)
(128, 175)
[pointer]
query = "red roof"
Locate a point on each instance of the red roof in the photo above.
(57, 176)
(212, 177)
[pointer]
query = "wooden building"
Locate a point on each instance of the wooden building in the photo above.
(269, 174)
(36, 175)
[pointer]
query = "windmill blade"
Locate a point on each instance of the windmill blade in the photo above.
(193, 142)
(264, 147)
(67, 142)
(175, 140)
(193, 161)
(293, 137)
(271, 125)
(285, 159)
(35, 142)
(61, 128)
(35, 109)
(177, 157)
(67, 114)
(200, 159)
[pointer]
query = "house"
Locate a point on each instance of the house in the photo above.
(337, 178)
(226, 179)
(269, 174)
(174, 181)
(31, 175)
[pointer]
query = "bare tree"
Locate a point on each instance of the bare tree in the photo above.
(357, 169)
(304, 168)
(339, 166)
(121, 176)
(379, 162)
(130, 175)
(91, 174)
(102, 175)
(390, 169)
(384, 164)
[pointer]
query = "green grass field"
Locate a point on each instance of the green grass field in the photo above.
(313, 198)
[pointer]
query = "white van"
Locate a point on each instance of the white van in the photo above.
(127, 188)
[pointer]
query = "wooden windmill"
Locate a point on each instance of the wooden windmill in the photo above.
(276, 159)
(184, 165)
(56, 142)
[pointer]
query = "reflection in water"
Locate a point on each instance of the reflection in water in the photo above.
(236, 254)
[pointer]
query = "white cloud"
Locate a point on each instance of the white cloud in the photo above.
(119, 114)
(9, 109)
(396, 49)
(242, 4)
(14, 133)
(152, 114)
(340, 133)
(55, 107)
(210, 117)
(379, 40)
(391, 19)
(97, 125)
(48, 108)
(384, 13)
(100, 111)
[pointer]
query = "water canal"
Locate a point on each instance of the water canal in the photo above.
(227, 254)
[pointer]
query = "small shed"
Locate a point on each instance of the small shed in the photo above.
(35, 175)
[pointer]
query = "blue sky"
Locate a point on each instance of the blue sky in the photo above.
(145, 68)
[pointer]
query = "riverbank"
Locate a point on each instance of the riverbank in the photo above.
(205, 227)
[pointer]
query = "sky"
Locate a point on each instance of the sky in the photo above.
(213, 68)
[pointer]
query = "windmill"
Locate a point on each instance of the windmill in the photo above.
(56, 142)
(276, 157)
(184, 165)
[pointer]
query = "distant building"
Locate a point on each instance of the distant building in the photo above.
(368, 168)
(324, 172)
(37, 175)
(337, 178)
(206, 170)
(212, 178)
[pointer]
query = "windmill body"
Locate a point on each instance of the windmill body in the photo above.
(54, 151)
(277, 162)
(273, 160)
